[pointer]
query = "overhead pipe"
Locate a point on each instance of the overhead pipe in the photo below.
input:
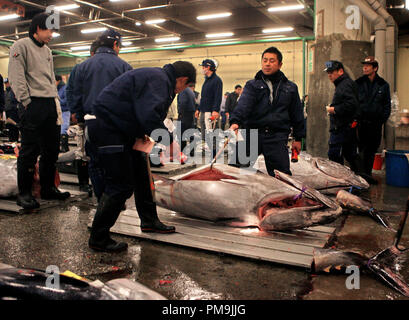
(39, 6)
(390, 49)
(380, 32)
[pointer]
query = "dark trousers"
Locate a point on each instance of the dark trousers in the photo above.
(125, 173)
(369, 135)
(40, 135)
(343, 144)
(275, 152)
(95, 170)
(13, 130)
(186, 122)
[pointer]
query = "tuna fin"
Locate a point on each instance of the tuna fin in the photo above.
(380, 218)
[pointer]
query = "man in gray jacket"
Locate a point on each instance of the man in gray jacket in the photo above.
(31, 76)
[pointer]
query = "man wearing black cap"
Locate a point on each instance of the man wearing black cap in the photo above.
(132, 107)
(91, 77)
(271, 104)
(31, 76)
(375, 108)
(211, 97)
(342, 112)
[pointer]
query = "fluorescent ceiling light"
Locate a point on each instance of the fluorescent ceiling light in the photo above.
(66, 7)
(93, 30)
(129, 49)
(82, 53)
(214, 16)
(274, 30)
(407, 4)
(126, 43)
(80, 48)
(147, 8)
(222, 40)
(156, 21)
(55, 34)
(219, 35)
(9, 16)
(138, 24)
(286, 8)
(169, 39)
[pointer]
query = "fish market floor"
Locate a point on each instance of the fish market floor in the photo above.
(59, 236)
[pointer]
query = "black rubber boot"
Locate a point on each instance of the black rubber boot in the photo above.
(64, 143)
(83, 176)
(149, 218)
(107, 213)
(25, 182)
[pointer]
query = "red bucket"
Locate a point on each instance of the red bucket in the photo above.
(378, 161)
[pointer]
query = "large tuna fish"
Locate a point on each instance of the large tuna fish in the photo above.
(321, 174)
(255, 199)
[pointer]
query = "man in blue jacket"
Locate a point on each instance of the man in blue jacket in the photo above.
(91, 77)
(375, 109)
(132, 107)
(81, 165)
(271, 104)
(211, 98)
(186, 114)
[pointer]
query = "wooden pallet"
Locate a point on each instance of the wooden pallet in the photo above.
(290, 248)
(10, 205)
(68, 178)
(172, 168)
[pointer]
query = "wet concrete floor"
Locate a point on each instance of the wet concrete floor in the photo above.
(58, 236)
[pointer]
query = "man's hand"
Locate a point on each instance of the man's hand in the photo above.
(234, 127)
(330, 110)
(215, 115)
(227, 115)
(297, 146)
(74, 118)
(197, 113)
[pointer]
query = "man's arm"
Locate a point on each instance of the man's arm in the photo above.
(218, 96)
(17, 71)
(387, 104)
(297, 116)
(77, 96)
(350, 103)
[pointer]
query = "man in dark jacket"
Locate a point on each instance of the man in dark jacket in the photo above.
(211, 98)
(186, 113)
(375, 109)
(342, 111)
(12, 118)
(271, 104)
(66, 114)
(231, 101)
(132, 107)
(91, 77)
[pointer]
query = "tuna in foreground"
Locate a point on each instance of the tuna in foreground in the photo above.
(240, 197)
(321, 174)
(27, 284)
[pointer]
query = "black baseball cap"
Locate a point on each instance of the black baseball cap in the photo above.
(208, 63)
(333, 65)
(110, 34)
